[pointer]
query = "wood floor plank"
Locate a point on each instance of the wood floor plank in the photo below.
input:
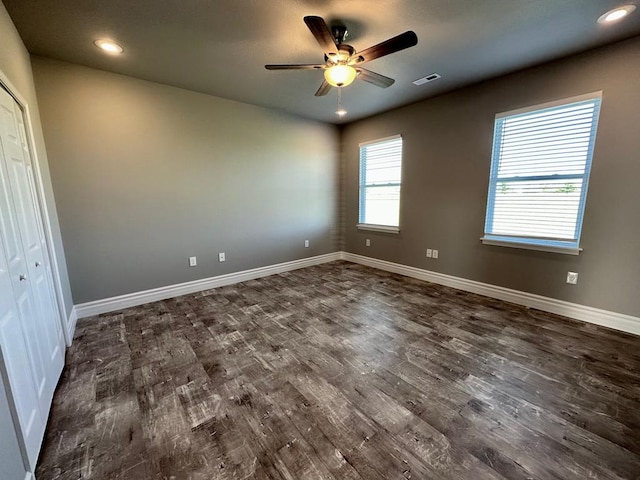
(340, 371)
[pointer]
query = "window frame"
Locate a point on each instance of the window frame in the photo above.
(362, 188)
(538, 243)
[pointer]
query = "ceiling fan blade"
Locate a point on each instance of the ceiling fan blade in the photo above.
(395, 44)
(324, 89)
(374, 78)
(300, 66)
(321, 32)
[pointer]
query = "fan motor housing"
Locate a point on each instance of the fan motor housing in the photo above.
(339, 33)
(344, 53)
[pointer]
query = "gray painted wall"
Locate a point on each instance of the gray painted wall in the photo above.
(15, 64)
(447, 155)
(147, 175)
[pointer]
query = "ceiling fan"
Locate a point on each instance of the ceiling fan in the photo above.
(342, 63)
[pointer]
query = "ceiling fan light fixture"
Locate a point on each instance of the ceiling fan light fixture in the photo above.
(616, 14)
(340, 75)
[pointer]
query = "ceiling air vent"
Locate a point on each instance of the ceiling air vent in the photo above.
(427, 79)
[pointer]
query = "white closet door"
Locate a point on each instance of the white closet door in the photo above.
(32, 349)
(35, 249)
(22, 362)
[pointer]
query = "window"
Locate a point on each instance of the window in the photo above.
(380, 180)
(539, 175)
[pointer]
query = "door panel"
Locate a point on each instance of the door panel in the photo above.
(14, 210)
(26, 309)
(8, 221)
(40, 267)
(46, 264)
(31, 335)
(20, 366)
(20, 185)
(48, 335)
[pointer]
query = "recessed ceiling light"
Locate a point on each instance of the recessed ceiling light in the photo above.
(108, 46)
(616, 14)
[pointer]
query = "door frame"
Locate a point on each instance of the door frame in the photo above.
(67, 323)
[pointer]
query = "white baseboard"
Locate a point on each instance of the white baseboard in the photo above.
(617, 321)
(70, 326)
(138, 298)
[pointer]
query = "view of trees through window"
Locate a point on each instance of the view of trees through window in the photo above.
(539, 169)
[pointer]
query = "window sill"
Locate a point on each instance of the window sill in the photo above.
(567, 250)
(378, 228)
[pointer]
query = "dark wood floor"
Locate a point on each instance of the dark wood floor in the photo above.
(341, 371)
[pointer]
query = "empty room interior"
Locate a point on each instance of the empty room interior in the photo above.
(319, 239)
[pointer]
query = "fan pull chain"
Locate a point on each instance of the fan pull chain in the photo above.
(341, 112)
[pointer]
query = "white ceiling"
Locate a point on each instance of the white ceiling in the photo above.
(220, 47)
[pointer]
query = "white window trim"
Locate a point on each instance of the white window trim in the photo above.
(531, 246)
(379, 140)
(370, 226)
(554, 103)
(512, 242)
(378, 228)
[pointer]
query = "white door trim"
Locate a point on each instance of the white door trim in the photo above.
(42, 207)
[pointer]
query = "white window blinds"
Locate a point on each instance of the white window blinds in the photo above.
(539, 173)
(380, 181)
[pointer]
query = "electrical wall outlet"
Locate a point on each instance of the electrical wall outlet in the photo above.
(221, 257)
(429, 253)
(435, 254)
(192, 261)
(306, 244)
(367, 242)
(572, 277)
